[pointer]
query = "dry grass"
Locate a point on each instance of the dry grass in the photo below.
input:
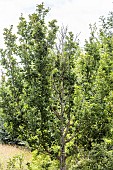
(8, 151)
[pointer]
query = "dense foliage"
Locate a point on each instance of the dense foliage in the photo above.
(57, 97)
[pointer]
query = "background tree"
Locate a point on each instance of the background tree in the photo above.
(11, 88)
(25, 92)
(94, 77)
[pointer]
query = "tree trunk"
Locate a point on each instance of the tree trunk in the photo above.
(62, 154)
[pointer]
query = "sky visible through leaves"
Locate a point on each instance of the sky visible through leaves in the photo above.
(76, 14)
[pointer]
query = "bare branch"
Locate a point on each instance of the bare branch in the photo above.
(77, 35)
(56, 113)
(67, 128)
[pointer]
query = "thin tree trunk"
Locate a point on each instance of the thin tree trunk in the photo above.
(62, 141)
(63, 155)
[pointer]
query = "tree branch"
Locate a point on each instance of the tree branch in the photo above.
(50, 153)
(67, 128)
(68, 140)
(56, 113)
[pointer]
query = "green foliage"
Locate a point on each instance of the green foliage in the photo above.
(55, 96)
(43, 162)
(98, 158)
(26, 66)
(15, 163)
(94, 87)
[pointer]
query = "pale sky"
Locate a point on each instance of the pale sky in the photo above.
(76, 14)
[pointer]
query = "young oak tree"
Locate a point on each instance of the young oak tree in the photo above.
(52, 96)
(38, 93)
(62, 100)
